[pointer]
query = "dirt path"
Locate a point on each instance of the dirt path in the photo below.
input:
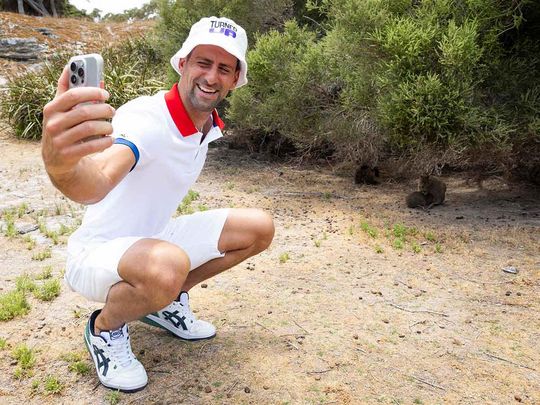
(334, 313)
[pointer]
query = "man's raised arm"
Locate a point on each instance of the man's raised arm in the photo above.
(74, 165)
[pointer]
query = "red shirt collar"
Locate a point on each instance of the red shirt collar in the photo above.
(181, 117)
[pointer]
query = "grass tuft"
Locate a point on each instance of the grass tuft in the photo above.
(52, 385)
(26, 360)
(13, 304)
(48, 291)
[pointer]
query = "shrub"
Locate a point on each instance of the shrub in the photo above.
(131, 69)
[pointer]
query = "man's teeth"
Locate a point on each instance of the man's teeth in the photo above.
(205, 89)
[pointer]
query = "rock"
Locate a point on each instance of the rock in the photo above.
(47, 32)
(208, 389)
(247, 390)
(204, 285)
(21, 49)
(27, 228)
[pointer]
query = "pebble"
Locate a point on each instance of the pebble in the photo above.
(247, 390)
(204, 285)
(386, 321)
(266, 387)
(355, 337)
(207, 389)
(317, 377)
(517, 398)
(508, 293)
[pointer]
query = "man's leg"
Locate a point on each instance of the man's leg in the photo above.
(246, 232)
(152, 272)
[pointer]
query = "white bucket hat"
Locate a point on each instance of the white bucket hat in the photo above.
(221, 32)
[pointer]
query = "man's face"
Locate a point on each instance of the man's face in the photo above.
(208, 74)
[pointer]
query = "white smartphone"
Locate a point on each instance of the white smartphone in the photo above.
(86, 71)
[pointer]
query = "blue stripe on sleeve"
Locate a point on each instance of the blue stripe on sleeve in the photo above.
(131, 145)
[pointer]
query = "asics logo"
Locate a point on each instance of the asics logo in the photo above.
(176, 320)
(102, 360)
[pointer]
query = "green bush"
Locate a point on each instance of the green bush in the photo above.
(131, 69)
(393, 77)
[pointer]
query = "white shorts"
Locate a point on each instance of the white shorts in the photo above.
(94, 271)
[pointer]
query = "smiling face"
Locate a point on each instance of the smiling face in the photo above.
(208, 74)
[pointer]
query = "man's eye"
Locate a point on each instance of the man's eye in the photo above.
(225, 70)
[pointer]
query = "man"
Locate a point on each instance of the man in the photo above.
(128, 252)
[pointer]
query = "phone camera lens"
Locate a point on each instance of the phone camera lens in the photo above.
(73, 66)
(80, 72)
(73, 79)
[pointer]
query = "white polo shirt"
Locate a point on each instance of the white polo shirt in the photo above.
(169, 158)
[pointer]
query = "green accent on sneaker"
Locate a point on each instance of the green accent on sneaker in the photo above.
(148, 321)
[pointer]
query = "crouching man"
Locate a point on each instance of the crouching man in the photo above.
(129, 253)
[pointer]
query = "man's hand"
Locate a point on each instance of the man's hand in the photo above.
(66, 127)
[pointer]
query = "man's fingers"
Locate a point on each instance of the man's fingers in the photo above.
(79, 132)
(61, 122)
(63, 82)
(80, 150)
(69, 99)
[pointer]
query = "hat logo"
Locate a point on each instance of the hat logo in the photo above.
(220, 27)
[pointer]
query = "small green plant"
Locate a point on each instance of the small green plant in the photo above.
(430, 236)
(48, 291)
(317, 243)
(44, 254)
(3, 343)
(10, 230)
(113, 397)
(30, 242)
(76, 363)
(351, 230)
(367, 228)
(438, 248)
(185, 206)
(327, 195)
(13, 304)
(398, 243)
(35, 386)
(284, 257)
(45, 274)
(378, 249)
(416, 247)
(418, 401)
(24, 283)
(80, 367)
(52, 385)
(26, 360)
(202, 207)
(229, 185)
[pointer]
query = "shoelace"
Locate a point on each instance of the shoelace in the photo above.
(121, 351)
(185, 310)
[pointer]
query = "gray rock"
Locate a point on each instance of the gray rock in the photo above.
(46, 31)
(21, 49)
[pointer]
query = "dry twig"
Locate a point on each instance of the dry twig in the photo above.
(415, 311)
(508, 361)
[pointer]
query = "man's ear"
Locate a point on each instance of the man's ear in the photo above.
(236, 77)
(181, 64)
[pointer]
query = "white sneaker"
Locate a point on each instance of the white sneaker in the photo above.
(116, 366)
(178, 319)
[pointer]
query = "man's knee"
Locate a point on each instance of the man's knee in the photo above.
(161, 269)
(264, 230)
(169, 266)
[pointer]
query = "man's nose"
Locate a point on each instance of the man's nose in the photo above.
(212, 76)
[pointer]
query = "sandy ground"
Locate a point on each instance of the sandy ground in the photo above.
(337, 311)
(347, 318)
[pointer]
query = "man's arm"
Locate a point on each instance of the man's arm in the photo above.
(75, 166)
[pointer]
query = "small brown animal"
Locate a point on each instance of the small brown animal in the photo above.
(366, 175)
(434, 186)
(418, 199)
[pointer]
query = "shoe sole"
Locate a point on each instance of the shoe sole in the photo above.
(123, 390)
(158, 323)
